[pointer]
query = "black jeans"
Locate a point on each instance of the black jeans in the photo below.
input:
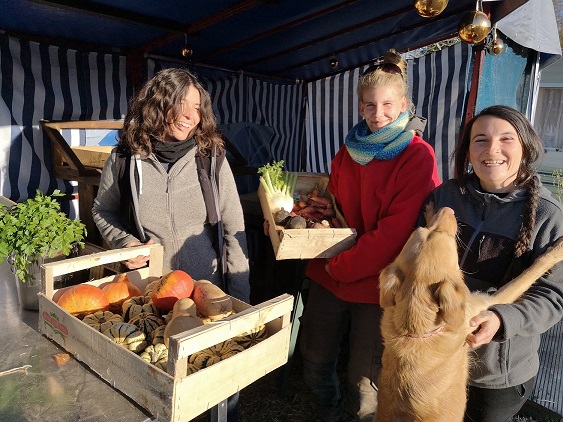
(488, 405)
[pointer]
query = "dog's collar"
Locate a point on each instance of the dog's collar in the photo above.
(428, 334)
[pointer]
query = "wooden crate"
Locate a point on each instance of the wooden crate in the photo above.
(307, 243)
(172, 396)
(93, 156)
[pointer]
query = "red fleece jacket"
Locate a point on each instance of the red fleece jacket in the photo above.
(382, 201)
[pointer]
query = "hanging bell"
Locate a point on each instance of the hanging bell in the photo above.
(496, 46)
(333, 63)
(430, 8)
(187, 51)
(474, 26)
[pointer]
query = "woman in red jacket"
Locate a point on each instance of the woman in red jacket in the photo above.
(380, 177)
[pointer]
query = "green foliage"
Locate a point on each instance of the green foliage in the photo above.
(273, 173)
(37, 228)
(557, 179)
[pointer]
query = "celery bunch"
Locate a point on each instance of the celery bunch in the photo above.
(279, 185)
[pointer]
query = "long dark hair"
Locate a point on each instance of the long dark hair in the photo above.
(532, 148)
(156, 106)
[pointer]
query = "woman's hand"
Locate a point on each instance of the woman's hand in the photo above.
(139, 261)
(488, 323)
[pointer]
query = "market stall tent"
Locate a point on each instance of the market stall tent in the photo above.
(264, 62)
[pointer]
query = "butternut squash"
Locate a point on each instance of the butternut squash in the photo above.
(211, 301)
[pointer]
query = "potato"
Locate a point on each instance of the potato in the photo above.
(211, 301)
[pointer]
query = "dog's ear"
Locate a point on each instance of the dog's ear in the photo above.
(451, 302)
(389, 281)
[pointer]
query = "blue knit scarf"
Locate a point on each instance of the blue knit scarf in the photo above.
(384, 144)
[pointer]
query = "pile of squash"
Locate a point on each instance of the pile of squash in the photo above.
(143, 322)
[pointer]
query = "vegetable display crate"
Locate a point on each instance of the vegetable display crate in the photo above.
(307, 243)
(172, 395)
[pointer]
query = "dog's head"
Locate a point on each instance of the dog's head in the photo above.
(425, 283)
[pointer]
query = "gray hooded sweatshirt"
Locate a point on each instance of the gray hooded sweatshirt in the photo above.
(172, 212)
(488, 228)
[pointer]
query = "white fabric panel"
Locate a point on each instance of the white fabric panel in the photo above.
(45, 82)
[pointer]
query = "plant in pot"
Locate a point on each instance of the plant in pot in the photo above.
(33, 231)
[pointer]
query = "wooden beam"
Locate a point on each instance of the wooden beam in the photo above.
(202, 24)
(352, 47)
(277, 29)
(115, 13)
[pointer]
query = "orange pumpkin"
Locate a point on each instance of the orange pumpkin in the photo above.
(119, 291)
(170, 288)
(83, 299)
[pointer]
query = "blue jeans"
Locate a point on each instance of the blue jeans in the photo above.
(324, 323)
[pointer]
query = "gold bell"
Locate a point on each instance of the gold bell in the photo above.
(187, 51)
(430, 8)
(474, 27)
(496, 46)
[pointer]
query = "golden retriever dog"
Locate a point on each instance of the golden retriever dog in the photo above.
(426, 312)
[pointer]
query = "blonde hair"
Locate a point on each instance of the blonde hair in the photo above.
(378, 75)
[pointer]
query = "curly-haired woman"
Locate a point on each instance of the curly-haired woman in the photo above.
(167, 182)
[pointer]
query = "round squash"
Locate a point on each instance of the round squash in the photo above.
(102, 320)
(136, 305)
(146, 322)
(156, 355)
(252, 337)
(214, 354)
(170, 288)
(191, 368)
(119, 291)
(149, 288)
(128, 336)
(157, 335)
(83, 299)
(211, 301)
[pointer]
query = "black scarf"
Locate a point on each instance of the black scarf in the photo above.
(170, 152)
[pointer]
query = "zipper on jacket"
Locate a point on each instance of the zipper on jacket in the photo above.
(480, 244)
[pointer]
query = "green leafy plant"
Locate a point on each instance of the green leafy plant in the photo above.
(557, 179)
(37, 228)
(278, 185)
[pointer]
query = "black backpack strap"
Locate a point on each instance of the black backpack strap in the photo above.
(204, 175)
(126, 206)
(208, 172)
